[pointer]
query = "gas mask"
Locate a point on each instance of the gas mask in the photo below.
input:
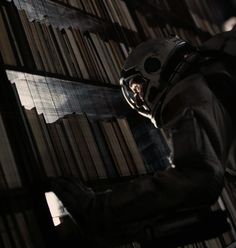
(150, 69)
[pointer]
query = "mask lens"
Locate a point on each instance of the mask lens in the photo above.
(152, 65)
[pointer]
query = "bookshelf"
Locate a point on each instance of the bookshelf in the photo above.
(43, 43)
(61, 108)
(195, 21)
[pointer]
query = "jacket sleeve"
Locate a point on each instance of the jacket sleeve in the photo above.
(196, 177)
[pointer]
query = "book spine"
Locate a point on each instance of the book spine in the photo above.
(115, 148)
(41, 143)
(60, 154)
(92, 145)
(6, 48)
(83, 148)
(8, 162)
(132, 145)
(124, 148)
(79, 170)
(104, 149)
(20, 37)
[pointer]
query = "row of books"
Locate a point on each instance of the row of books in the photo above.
(64, 52)
(169, 11)
(90, 150)
(74, 146)
(205, 14)
(63, 16)
(115, 11)
(20, 230)
(56, 98)
(167, 30)
(228, 238)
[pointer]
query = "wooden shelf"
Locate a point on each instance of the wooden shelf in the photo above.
(61, 77)
(53, 12)
(58, 14)
(82, 12)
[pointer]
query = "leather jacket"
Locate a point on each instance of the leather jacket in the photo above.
(200, 130)
(200, 133)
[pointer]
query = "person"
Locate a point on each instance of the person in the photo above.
(186, 91)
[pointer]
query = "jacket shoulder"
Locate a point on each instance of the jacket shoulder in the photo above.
(224, 42)
(190, 92)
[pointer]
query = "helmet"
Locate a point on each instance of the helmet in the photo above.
(149, 70)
